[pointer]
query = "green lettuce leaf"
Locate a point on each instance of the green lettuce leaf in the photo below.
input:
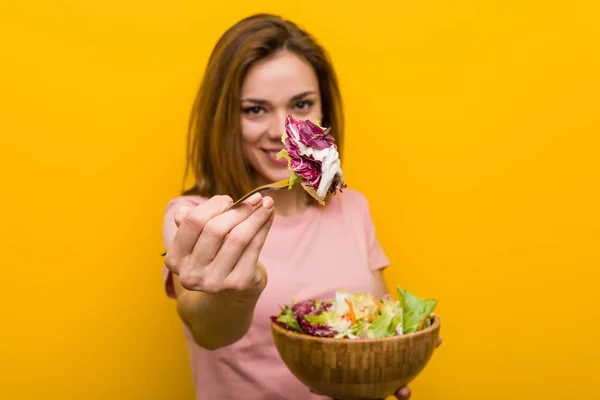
(357, 328)
(287, 317)
(322, 318)
(395, 322)
(429, 306)
(294, 178)
(380, 327)
(414, 309)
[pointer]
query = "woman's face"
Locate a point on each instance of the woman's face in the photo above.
(274, 88)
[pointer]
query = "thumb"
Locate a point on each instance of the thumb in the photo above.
(403, 393)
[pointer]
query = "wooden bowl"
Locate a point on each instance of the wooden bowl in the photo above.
(356, 369)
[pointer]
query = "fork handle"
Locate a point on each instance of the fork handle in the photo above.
(279, 185)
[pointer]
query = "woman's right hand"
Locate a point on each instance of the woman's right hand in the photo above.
(215, 251)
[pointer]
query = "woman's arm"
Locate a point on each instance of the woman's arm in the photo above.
(379, 282)
(216, 320)
(213, 259)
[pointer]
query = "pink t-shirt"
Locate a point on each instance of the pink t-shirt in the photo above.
(307, 257)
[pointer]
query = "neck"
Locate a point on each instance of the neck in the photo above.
(290, 203)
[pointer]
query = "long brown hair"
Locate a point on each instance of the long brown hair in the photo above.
(214, 143)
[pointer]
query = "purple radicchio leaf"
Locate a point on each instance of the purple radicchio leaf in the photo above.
(310, 307)
(310, 135)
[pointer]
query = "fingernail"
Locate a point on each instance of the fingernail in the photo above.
(254, 199)
(267, 203)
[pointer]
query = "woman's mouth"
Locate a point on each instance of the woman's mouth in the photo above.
(272, 156)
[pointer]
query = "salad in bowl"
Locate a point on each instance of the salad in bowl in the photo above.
(358, 315)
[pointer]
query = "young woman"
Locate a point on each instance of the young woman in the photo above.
(230, 272)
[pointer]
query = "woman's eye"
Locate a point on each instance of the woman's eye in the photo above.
(304, 105)
(253, 110)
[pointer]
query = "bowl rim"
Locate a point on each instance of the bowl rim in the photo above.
(435, 325)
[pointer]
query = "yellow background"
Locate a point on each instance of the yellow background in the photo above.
(472, 127)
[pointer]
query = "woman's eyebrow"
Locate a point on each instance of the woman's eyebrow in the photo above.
(301, 95)
(256, 101)
(294, 98)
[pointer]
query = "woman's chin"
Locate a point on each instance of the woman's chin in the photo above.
(275, 176)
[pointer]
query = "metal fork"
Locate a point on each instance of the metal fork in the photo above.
(279, 185)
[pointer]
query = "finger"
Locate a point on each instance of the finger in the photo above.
(245, 272)
(216, 230)
(180, 214)
(194, 220)
(243, 246)
(439, 341)
(190, 225)
(403, 393)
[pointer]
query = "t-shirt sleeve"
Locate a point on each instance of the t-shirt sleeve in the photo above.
(377, 258)
(168, 233)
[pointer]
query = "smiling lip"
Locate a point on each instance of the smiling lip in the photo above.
(272, 156)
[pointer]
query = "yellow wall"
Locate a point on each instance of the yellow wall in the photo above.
(473, 129)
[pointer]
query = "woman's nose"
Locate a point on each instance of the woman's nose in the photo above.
(277, 124)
